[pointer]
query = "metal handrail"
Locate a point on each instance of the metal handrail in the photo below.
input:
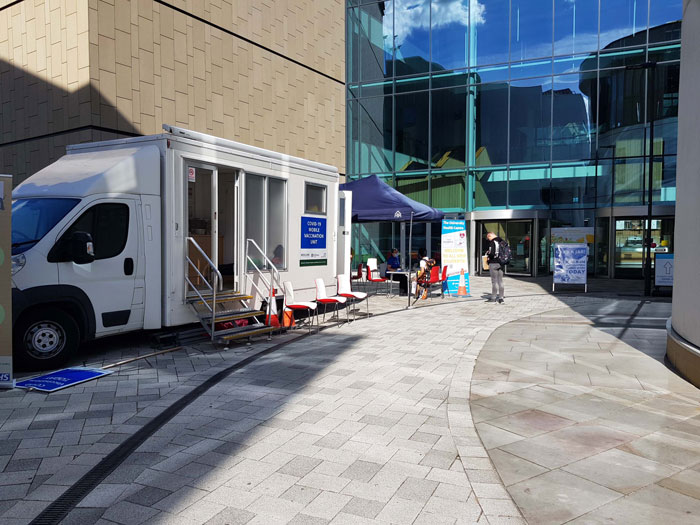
(275, 277)
(216, 285)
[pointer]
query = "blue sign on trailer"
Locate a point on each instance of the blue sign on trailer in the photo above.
(62, 378)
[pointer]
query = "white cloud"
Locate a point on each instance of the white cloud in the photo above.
(411, 15)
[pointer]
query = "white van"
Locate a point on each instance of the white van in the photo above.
(165, 230)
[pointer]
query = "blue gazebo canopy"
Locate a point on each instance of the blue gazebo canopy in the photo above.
(374, 200)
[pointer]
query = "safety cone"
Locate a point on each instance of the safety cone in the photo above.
(462, 289)
(288, 318)
(273, 319)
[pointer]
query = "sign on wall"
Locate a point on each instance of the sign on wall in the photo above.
(573, 235)
(455, 254)
(570, 264)
(5, 285)
(313, 242)
(663, 269)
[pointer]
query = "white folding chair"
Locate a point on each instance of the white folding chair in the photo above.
(322, 298)
(310, 306)
(373, 275)
(343, 283)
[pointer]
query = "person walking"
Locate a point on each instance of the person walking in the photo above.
(498, 255)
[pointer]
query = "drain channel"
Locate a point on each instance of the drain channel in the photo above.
(67, 501)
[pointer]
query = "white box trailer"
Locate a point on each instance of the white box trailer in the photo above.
(163, 230)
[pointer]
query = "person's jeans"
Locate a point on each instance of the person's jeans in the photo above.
(496, 271)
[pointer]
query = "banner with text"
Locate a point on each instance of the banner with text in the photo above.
(5, 283)
(313, 242)
(455, 255)
(570, 263)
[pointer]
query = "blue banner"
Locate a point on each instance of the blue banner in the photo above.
(570, 263)
(62, 378)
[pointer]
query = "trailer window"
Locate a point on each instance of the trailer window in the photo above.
(108, 224)
(276, 222)
(315, 201)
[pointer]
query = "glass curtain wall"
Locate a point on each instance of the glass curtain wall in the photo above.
(514, 103)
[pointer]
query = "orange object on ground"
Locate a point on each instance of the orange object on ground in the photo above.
(462, 289)
(288, 318)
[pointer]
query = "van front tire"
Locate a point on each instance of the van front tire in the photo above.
(44, 339)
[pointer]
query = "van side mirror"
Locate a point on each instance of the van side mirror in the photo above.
(80, 248)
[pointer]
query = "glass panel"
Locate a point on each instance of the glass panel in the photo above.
(489, 115)
(622, 23)
(276, 222)
(255, 213)
(412, 131)
(375, 89)
(665, 179)
(573, 129)
(543, 247)
(576, 64)
(417, 242)
(665, 109)
(108, 224)
(621, 112)
(375, 134)
(602, 246)
(628, 181)
(414, 187)
(450, 37)
(375, 46)
(530, 29)
(529, 186)
(449, 128)
(34, 218)
(575, 26)
(353, 137)
(622, 58)
(533, 68)
(605, 181)
(664, 20)
(453, 78)
(372, 239)
(405, 85)
(448, 191)
(665, 53)
(490, 188)
(530, 120)
(518, 237)
(489, 32)
(352, 51)
(629, 247)
(411, 36)
(315, 199)
(573, 186)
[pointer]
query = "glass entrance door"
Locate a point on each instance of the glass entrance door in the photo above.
(630, 255)
(518, 235)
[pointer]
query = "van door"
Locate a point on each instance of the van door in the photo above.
(114, 281)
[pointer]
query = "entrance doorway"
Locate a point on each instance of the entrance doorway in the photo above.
(211, 197)
(518, 235)
(630, 256)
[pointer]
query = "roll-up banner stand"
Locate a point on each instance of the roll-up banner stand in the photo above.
(455, 255)
(6, 380)
(570, 264)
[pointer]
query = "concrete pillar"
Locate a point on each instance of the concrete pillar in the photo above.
(683, 347)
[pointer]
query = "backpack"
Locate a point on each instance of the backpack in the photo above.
(504, 255)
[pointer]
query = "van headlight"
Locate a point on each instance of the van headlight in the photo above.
(18, 262)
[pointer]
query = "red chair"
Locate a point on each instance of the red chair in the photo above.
(434, 279)
(322, 298)
(373, 275)
(443, 282)
(358, 276)
(343, 284)
(310, 306)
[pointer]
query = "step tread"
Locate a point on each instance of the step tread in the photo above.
(220, 298)
(233, 315)
(247, 333)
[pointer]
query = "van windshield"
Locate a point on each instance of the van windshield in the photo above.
(34, 218)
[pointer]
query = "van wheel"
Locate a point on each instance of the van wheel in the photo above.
(45, 339)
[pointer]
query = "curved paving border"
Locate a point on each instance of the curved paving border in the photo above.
(492, 496)
(579, 401)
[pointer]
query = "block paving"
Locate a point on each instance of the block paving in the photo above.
(456, 412)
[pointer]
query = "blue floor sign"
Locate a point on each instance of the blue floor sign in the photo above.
(62, 378)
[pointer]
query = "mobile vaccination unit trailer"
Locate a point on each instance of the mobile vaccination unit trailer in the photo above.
(165, 230)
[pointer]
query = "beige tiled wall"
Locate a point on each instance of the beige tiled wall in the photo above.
(130, 66)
